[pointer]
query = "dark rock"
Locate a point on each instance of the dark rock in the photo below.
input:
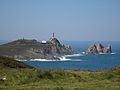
(98, 49)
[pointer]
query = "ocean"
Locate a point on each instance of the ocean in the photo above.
(81, 61)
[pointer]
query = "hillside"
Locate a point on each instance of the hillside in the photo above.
(32, 49)
(34, 79)
(6, 62)
(14, 77)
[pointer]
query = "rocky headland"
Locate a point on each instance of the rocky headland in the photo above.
(99, 49)
(32, 49)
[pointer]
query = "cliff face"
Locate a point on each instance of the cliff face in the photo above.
(32, 49)
(98, 48)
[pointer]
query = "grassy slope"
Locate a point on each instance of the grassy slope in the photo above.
(6, 62)
(32, 79)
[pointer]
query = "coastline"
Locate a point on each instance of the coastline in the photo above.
(64, 57)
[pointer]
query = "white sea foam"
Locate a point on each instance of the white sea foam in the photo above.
(113, 53)
(83, 52)
(37, 60)
(63, 58)
(74, 55)
(107, 53)
(43, 60)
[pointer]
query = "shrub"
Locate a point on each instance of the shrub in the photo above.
(79, 89)
(45, 75)
(59, 88)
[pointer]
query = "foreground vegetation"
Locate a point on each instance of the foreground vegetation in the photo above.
(15, 75)
(32, 79)
(6, 62)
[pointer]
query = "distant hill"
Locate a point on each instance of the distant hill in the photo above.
(32, 49)
(6, 62)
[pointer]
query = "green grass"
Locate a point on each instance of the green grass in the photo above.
(20, 76)
(6, 62)
(34, 79)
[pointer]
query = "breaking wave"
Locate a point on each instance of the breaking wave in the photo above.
(74, 55)
(43, 60)
(65, 58)
(107, 53)
(113, 53)
(62, 58)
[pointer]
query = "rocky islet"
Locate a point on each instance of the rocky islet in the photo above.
(99, 49)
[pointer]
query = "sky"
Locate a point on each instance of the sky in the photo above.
(70, 20)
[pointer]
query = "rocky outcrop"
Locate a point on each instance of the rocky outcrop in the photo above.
(98, 49)
(32, 49)
(58, 49)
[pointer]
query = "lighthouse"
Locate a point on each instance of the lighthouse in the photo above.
(53, 35)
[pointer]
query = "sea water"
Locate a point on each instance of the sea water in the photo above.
(81, 61)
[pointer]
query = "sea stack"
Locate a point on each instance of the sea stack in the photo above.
(99, 49)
